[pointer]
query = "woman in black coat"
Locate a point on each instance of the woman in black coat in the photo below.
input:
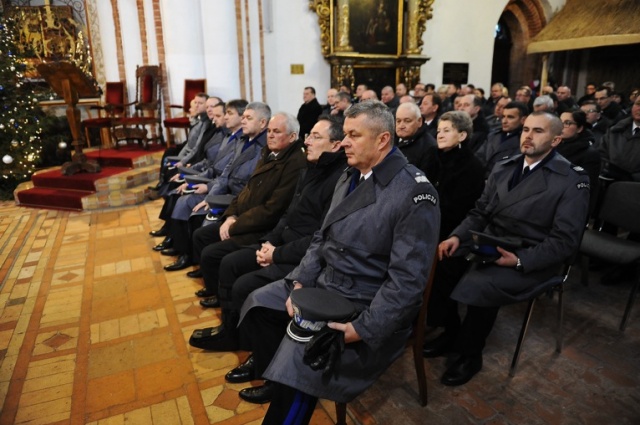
(459, 183)
(578, 147)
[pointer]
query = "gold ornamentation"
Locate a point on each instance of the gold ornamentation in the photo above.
(343, 27)
(410, 75)
(342, 75)
(323, 10)
(419, 12)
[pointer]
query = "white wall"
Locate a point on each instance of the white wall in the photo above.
(183, 43)
(295, 40)
(200, 39)
(463, 31)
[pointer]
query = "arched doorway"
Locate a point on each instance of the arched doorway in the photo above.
(520, 21)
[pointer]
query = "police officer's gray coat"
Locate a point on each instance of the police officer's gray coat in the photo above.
(237, 168)
(547, 210)
(375, 247)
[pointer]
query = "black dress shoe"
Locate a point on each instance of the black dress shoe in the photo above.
(438, 346)
(244, 373)
(163, 231)
(180, 264)
(170, 252)
(214, 339)
(156, 187)
(211, 302)
(204, 293)
(258, 395)
(462, 370)
(166, 243)
(195, 274)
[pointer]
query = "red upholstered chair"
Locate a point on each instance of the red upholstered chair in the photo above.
(191, 89)
(148, 105)
(113, 107)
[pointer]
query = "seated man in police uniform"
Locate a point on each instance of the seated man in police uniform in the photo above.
(374, 248)
(539, 201)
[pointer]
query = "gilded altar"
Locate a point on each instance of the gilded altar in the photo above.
(373, 39)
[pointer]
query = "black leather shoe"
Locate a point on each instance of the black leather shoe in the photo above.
(258, 395)
(170, 252)
(214, 339)
(180, 264)
(438, 346)
(211, 302)
(204, 293)
(166, 243)
(163, 231)
(462, 370)
(156, 187)
(244, 373)
(195, 274)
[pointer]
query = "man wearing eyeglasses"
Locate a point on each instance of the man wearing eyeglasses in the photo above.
(280, 250)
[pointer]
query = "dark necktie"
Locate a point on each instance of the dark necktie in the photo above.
(272, 157)
(636, 131)
(525, 171)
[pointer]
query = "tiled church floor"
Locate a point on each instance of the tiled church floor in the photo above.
(93, 331)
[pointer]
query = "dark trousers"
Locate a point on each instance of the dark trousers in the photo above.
(442, 311)
(470, 335)
(182, 233)
(262, 329)
(475, 329)
(210, 258)
(289, 407)
(240, 275)
(168, 206)
(203, 237)
(164, 173)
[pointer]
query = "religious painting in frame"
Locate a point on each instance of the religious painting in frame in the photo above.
(374, 26)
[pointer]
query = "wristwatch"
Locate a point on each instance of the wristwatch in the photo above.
(519, 265)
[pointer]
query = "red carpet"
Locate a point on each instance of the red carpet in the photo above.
(122, 157)
(81, 181)
(54, 190)
(57, 199)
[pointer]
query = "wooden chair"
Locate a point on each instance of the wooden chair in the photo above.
(416, 341)
(191, 89)
(113, 107)
(147, 107)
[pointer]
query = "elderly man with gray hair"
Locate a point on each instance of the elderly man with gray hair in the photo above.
(543, 103)
(260, 204)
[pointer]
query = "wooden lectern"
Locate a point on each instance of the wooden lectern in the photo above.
(70, 83)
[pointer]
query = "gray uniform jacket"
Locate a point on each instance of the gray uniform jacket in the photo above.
(224, 152)
(375, 247)
(496, 149)
(620, 149)
(194, 138)
(547, 210)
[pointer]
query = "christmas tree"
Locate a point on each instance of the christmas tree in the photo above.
(20, 115)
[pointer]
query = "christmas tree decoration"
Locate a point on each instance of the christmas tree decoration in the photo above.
(20, 115)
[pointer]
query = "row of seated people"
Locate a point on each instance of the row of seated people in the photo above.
(458, 176)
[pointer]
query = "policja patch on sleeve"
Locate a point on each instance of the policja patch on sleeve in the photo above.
(422, 197)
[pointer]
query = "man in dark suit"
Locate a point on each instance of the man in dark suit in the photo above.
(309, 111)
(538, 198)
